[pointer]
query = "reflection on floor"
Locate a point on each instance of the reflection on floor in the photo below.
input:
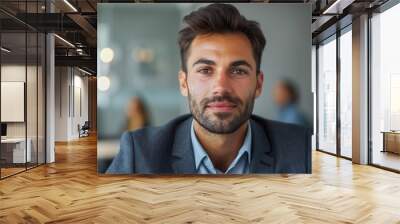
(71, 191)
(387, 159)
(10, 169)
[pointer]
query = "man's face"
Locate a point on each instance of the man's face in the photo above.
(221, 81)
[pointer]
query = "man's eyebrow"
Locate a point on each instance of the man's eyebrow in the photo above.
(204, 61)
(241, 62)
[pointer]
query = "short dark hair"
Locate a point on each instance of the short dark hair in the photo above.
(220, 18)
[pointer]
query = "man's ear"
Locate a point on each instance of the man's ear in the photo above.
(183, 83)
(259, 84)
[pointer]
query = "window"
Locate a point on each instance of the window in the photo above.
(385, 88)
(327, 95)
(346, 92)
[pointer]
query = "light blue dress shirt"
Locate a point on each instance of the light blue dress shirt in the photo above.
(240, 165)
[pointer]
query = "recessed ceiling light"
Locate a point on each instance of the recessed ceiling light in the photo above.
(84, 71)
(5, 49)
(64, 40)
(70, 5)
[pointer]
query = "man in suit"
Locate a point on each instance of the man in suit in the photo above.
(220, 75)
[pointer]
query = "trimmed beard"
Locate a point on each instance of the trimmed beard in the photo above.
(226, 122)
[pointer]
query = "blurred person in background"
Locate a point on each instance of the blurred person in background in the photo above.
(286, 98)
(137, 114)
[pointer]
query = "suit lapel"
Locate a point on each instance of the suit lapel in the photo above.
(182, 160)
(262, 160)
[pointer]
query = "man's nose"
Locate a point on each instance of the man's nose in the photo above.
(221, 82)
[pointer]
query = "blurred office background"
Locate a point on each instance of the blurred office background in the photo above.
(139, 58)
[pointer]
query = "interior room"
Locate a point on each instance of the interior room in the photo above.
(22, 102)
(52, 97)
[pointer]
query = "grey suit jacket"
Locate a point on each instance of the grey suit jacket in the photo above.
(276, 148)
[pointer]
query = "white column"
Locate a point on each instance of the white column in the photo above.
(360, 90)
(50, 100)
(50, 92)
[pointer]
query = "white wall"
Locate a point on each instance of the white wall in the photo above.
(71, 94)
(16, 73)
(12, 73)
(33, 126)
(61, 103)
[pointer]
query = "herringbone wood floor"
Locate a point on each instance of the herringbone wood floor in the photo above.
(70, 191)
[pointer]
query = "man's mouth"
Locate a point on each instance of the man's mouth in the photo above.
(221, 106)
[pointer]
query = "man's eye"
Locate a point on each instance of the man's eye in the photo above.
(238, 71)
(204, 71)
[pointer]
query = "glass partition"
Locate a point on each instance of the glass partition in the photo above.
(31, 100)
(14, 152)
(22, 77)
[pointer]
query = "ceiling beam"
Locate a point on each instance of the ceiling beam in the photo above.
(81, 61)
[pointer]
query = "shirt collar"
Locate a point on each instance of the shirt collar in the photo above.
(200, 154)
